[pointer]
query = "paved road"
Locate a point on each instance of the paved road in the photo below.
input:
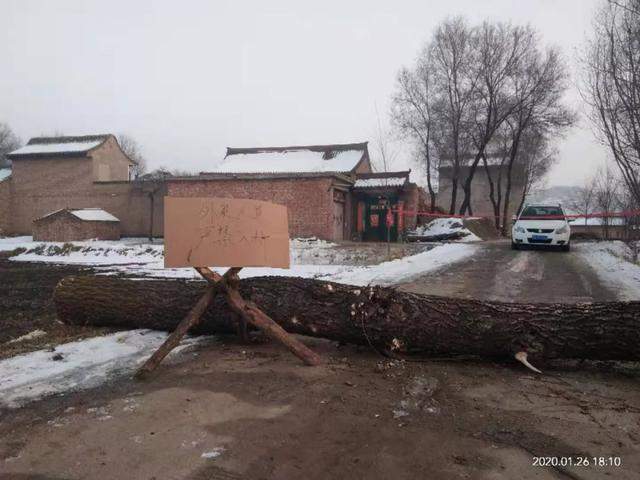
(496, 272)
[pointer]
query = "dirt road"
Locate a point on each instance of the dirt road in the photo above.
(498, 273)
(234, 411)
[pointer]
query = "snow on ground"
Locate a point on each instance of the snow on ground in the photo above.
(385, 273)
(11, 243)
(78, 365)
(613, 263)
(445, 226)
(310, 258)
(29, 336)
(407, 268)
(89, 252)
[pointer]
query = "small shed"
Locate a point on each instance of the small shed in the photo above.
(69, 224)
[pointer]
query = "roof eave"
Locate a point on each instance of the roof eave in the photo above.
(27, 156)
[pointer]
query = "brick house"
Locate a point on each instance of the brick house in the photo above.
(53, 173)
(67, 225)
(329, 190)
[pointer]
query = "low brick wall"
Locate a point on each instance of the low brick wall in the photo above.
(613, 232)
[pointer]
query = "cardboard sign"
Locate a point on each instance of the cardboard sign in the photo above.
(224, 232)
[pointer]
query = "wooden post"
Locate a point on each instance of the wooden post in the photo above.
(192, 319)
(252, 314)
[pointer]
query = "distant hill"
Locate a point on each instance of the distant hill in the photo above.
(562, 194)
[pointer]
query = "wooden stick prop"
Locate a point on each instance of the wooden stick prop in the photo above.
(212, 277)
(250, 313)
(191, 320)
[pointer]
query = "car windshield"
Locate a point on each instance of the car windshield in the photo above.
(542, 213)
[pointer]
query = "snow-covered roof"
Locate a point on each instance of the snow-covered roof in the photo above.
(4, 173)
(296, 159)
(379, 182)
(94, 215)
(58, 146)
(86, 214)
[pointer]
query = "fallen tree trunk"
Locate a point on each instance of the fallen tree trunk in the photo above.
(385, 318)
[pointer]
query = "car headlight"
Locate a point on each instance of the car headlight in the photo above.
(563, 229)
(519, 230)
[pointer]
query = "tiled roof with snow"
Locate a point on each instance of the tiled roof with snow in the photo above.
(4, 173)
(94, 215)
(382, 179)
(379, 182)
(296, 159)
(58, 146)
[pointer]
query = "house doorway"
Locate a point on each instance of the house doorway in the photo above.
(376, 214)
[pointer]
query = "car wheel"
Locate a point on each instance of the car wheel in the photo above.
(515, 246)
(566, 248)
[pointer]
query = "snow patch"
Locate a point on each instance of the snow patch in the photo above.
(407, 268)
(83, 364)
(613, 263)
(215, 453)
(90, 252)
(8, 244)
(29, 336)
(443, 227)
(4, 173)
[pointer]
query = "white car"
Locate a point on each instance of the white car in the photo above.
(544, 225)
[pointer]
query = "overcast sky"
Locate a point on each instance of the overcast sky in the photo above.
(189, 78)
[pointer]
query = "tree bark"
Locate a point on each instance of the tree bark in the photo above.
(384, 318)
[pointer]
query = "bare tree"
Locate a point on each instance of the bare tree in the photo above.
(584, 200)
(611, 85)
(607, 197)
(501, 50)
(9, 141)
(449, 58)
(480, 88)
(132, 149)
(520, 134)
(495, 169)
(539, 83)
(537, 156)
(412, 116)
(383, 145)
